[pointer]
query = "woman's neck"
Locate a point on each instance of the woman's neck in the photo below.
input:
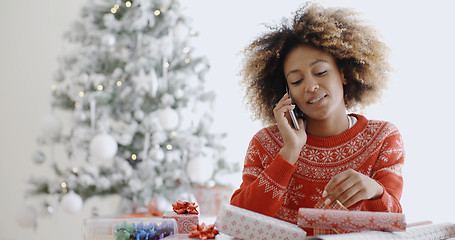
(328, 127)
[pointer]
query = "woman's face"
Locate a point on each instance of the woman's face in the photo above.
(315, 83)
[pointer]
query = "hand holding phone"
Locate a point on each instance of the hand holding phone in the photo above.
(291, 112)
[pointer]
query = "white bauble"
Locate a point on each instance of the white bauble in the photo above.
(80, 116)
(103, 147)
(108, 40)
(39, 157)
(180, 32)
(139, 115)
(26, 217)
(156, 154)
(51, 125)
(168, 118)
(158, 138)
(179, 93)
(72, 202)
(163, 204)
(199, 170)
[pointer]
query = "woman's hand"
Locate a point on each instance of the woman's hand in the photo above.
(350, 187)
(293, 139)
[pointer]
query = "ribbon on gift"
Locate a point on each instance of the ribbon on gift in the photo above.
(332, 217)
(202, 231)
(182, 207)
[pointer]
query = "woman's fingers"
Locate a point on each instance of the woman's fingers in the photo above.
(281, 109)
(350, 187)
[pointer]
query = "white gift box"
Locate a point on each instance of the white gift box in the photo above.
(242, 223)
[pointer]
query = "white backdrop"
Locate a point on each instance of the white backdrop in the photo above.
(419, 99)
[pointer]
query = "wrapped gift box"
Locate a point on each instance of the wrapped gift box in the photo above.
(109, 228)
(242, 223)
(350, 220)
(184, 221)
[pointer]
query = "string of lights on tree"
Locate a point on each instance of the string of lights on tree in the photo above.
(140, 112)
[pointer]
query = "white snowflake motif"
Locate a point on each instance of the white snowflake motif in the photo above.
(353, 147)
(317, 196)
(311, 154)
(294, 193)
(339, 154)
(386, 155)
(326, 156)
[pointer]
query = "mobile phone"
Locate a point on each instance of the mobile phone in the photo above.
(291, 112)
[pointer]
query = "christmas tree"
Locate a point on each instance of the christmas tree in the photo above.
(141, 114)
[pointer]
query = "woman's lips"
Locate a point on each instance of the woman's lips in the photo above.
(316, 99)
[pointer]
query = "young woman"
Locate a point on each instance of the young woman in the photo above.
(330, 62)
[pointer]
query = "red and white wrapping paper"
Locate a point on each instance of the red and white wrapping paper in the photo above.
(350, 220)
(245, 224)
(184, 221)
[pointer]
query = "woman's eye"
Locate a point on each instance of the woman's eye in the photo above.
(297, 81)
(322, 73)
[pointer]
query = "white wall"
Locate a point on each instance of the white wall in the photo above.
(418, 102)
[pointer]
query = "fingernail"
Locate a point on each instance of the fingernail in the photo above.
(327, 201)
(324, 194)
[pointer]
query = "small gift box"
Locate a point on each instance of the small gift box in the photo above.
(242, 223)
(128, 228)
(350, 220)
(184, 221)
(185, 214)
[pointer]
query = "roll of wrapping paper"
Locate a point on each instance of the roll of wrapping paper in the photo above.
(350, 220)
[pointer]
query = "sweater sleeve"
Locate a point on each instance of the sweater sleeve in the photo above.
(263, 187)
(387, 172)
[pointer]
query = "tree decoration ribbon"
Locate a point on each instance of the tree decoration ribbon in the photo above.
(183, 207)
(203, 231)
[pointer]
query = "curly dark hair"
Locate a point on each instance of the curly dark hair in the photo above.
(358, 51)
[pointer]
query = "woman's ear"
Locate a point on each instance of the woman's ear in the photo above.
(343, 79)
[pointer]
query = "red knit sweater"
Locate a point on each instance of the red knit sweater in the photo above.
(274, 187)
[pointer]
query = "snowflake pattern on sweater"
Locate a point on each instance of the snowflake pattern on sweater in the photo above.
(274, 187)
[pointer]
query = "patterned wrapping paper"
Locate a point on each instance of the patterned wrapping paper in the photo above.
(350, 220)
(424, 232)
(184, 221)
(245, 224)
(333, 205)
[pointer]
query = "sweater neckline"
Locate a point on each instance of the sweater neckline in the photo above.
(341, 138)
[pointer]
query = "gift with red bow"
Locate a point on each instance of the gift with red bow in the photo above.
(186, 215)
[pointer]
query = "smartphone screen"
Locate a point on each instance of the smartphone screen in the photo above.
(291, 112)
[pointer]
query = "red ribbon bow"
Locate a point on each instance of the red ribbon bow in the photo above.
(182, 207)
(203, 232)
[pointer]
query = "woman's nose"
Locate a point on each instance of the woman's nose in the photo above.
(311, 85)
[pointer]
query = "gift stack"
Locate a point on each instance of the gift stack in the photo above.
(236, 223)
